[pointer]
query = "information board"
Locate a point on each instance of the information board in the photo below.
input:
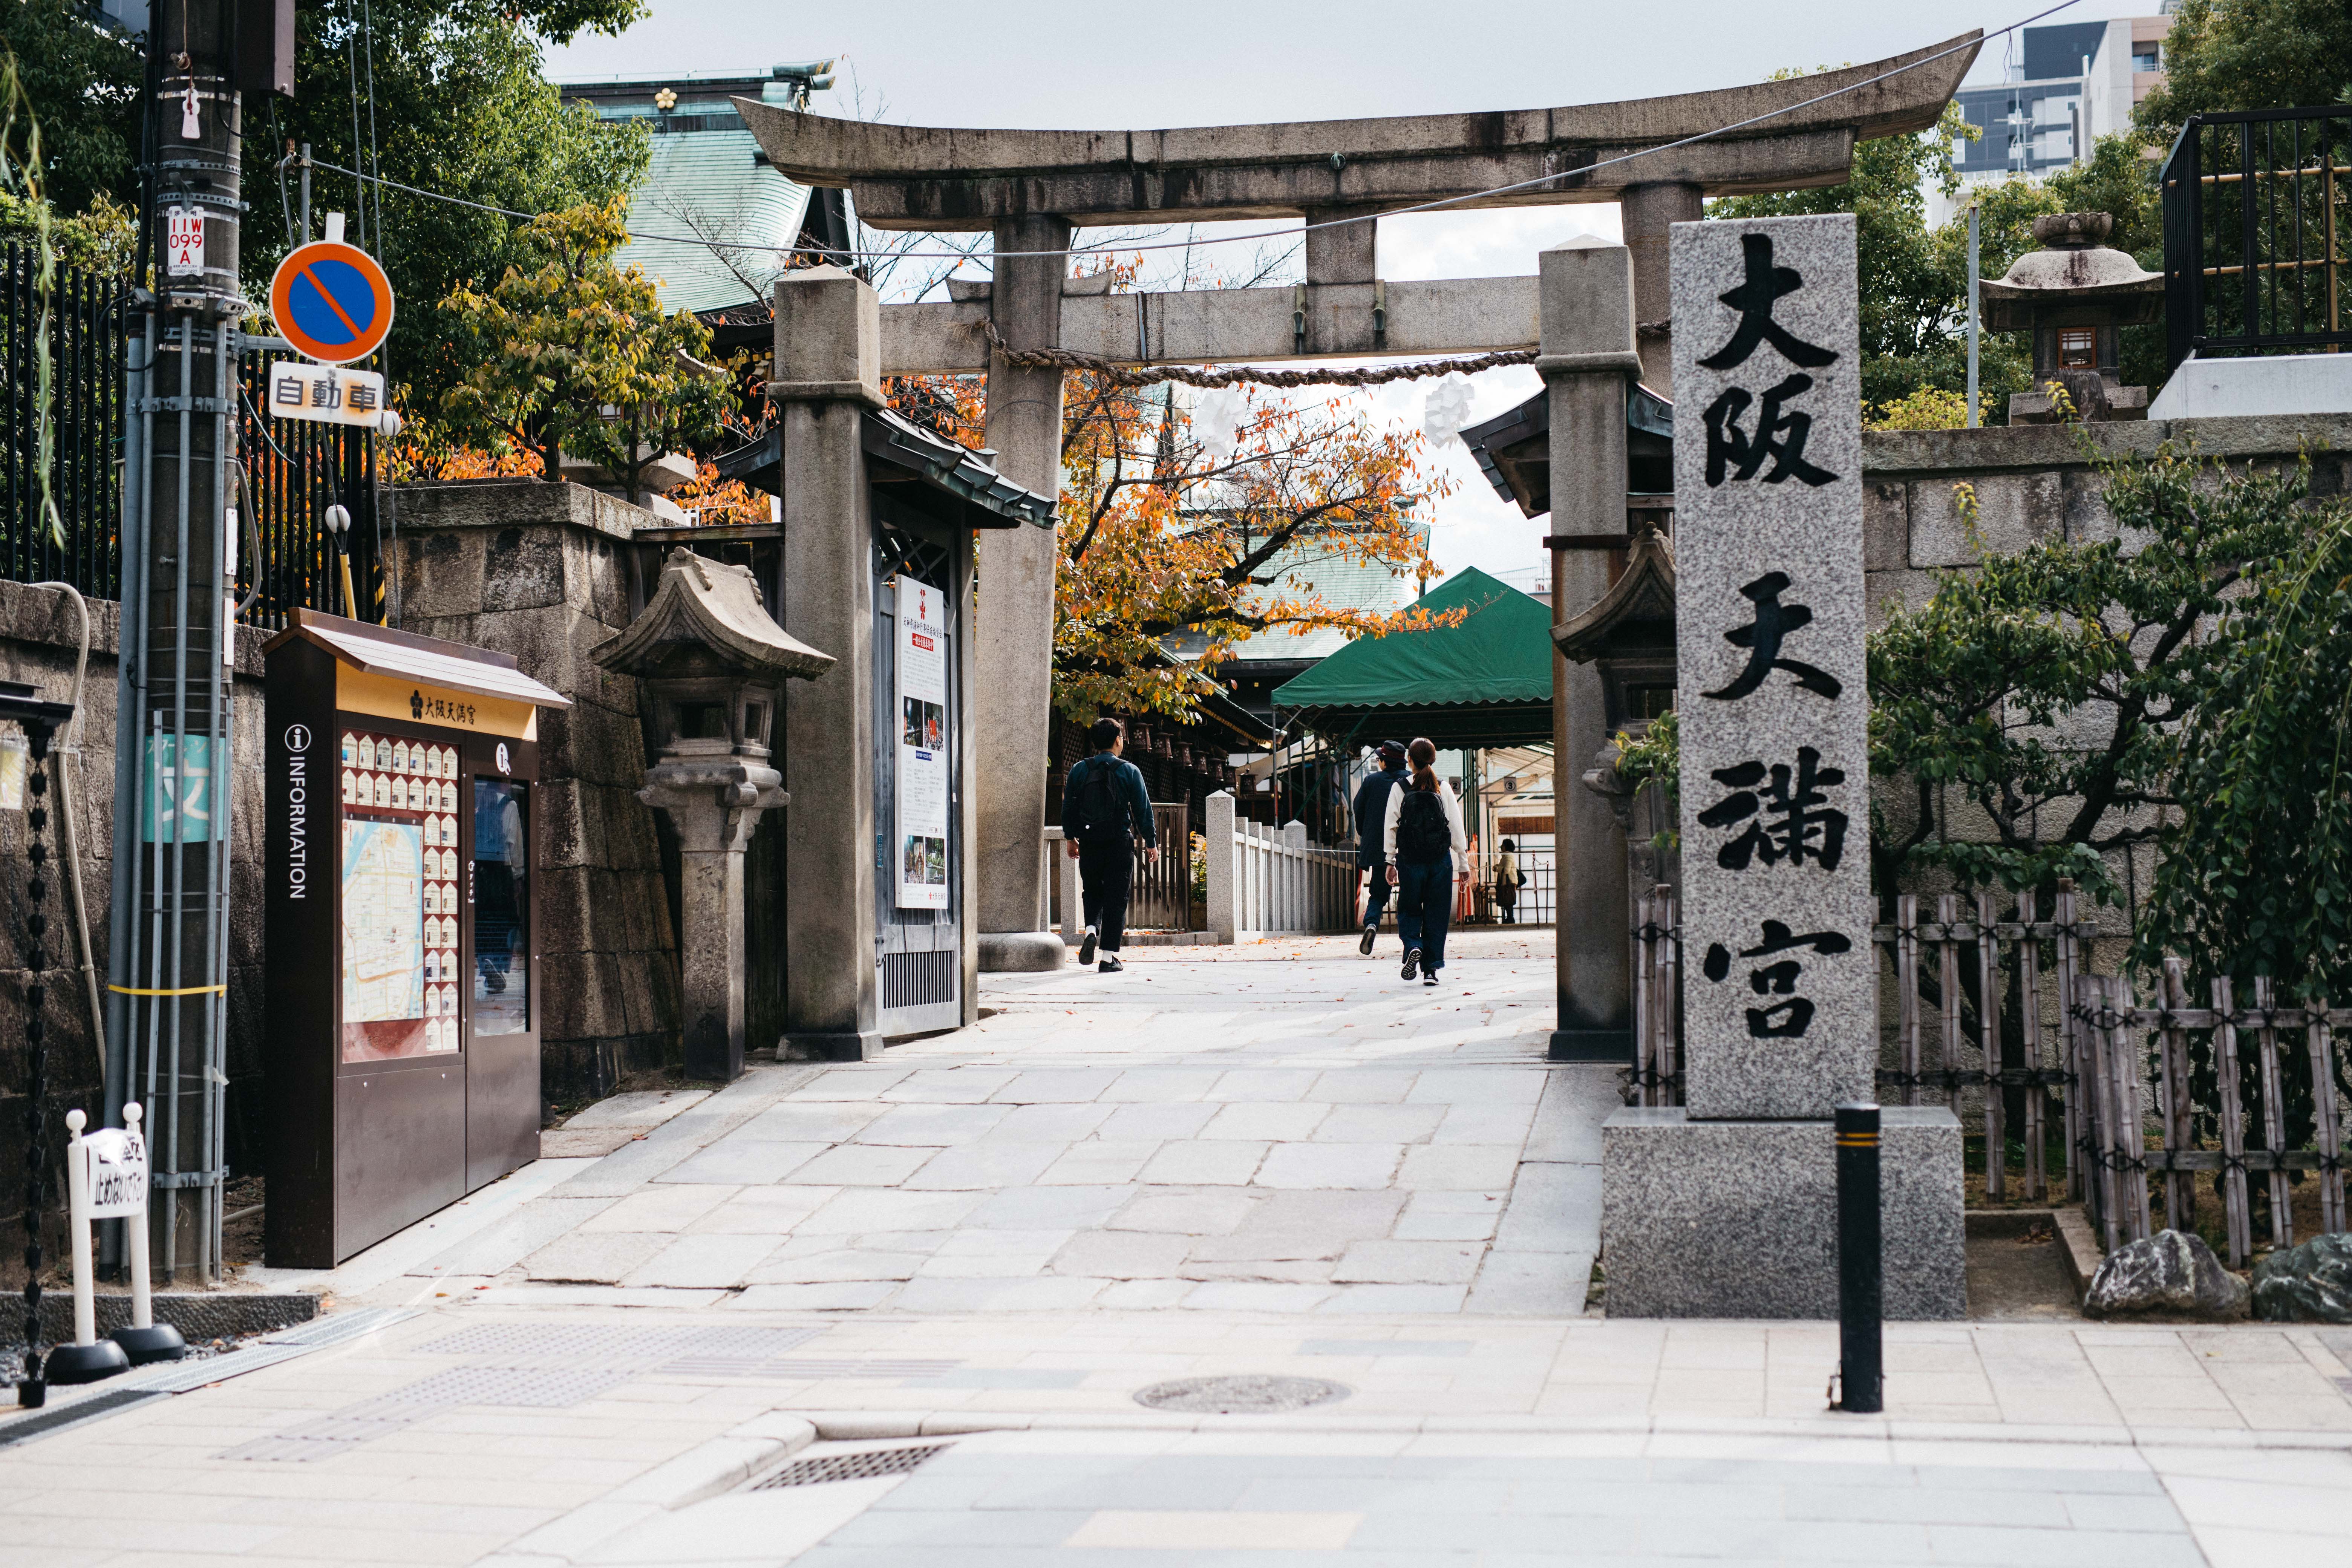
(399, 898)
(922, 771)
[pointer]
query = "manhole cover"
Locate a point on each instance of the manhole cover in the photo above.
(1250, 1395)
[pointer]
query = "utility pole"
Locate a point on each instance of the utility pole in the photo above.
(1973, 239)
(168, 956)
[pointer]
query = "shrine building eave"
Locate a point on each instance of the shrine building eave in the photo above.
(937, 178)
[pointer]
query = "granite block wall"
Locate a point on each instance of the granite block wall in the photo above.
(38, 639)
(541, 571)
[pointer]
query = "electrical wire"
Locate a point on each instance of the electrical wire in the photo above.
(1288, 233)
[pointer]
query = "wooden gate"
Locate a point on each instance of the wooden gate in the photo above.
(1162, 899)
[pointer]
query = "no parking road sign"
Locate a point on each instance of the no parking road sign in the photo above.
(331, 301)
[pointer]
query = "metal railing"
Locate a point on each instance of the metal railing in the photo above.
(293, 470)
(2258, 233)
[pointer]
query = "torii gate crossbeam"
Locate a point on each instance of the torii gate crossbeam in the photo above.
(1031, 188)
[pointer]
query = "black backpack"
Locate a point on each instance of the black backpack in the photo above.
(1101, 812)
(1423, 832)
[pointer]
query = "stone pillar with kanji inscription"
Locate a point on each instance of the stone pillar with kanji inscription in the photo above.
(1724, 1206)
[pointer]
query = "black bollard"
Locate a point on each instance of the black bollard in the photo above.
(1861, 1284)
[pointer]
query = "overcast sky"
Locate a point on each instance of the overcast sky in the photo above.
(1209, 62)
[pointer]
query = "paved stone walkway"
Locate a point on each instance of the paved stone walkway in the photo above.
(1271, 1162)
(1280, 1128)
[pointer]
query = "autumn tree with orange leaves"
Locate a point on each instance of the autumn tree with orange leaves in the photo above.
(1173, 553)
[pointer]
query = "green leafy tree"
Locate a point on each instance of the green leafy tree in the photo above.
(81, 80)
(550, 350)
(2257, 873)
(1910, 328)
(460, 107)
(2225, 55)
(2046, 689)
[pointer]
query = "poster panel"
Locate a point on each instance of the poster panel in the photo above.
(922, 850)
(399, 898)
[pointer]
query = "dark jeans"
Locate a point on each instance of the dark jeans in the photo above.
(1376, 893)
(1424, 899)
(1106, 872)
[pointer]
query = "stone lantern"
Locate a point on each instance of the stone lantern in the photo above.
(2075, 295)
(1628, 636)
(714, 664)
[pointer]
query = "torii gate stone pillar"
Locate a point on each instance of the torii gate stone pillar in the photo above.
(1657, 158)
(1587, 361)
(1012, 703)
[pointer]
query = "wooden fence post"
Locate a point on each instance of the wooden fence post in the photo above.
(2028, 990)
(2237, 1214)
(1996, 1095)
(2330, 1132)
(1907, 989)
(2179, 1190)
(2273, 1114)
(2070, 1041)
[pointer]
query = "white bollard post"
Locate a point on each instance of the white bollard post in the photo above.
(144, 1340)
(89, 1357)
(78, 1230)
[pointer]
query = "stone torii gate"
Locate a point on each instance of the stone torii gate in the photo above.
(1033, 188)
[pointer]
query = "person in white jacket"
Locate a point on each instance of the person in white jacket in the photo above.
(1427, 854)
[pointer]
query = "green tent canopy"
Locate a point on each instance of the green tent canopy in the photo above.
(1485, 682)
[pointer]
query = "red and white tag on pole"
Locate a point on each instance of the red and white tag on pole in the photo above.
(184, 241)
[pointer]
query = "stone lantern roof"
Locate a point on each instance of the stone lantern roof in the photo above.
(2073, 268)
(2075, 295)
(714, 608)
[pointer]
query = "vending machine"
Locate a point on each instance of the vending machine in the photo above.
(401, 1046)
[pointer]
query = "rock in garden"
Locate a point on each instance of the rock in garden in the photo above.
(2307, 1284)
(2171, 1273)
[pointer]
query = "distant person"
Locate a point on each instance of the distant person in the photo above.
(1426, 846)
(1104, 809)
(1372, 858)
(1508, 880)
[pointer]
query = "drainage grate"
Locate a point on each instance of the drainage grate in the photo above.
(859, 1466)
(803, 1369)
(1250, 1394)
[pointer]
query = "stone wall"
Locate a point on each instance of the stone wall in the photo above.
(541, 571)
(38, 637)
(538, 571)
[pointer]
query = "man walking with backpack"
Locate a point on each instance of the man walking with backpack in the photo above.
(1104, 809)
(1426, 845)
(1371, 855)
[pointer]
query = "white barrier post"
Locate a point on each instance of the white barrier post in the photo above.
(89, 1357)
(144, 1341)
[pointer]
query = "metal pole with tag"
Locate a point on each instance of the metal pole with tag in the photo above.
(167, 959)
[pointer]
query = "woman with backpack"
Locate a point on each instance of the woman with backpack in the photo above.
(1425, 848)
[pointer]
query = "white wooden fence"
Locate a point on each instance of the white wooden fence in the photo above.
(1266, 881)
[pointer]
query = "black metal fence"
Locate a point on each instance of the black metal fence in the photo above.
(2258, 234)
(293, 471)
(85, 476)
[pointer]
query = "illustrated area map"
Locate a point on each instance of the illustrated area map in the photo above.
(399, 898)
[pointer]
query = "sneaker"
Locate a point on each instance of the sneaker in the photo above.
(1428, 977)
(1412, 961)
(1087, 948)
(1365, 946)
(1109, 966)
